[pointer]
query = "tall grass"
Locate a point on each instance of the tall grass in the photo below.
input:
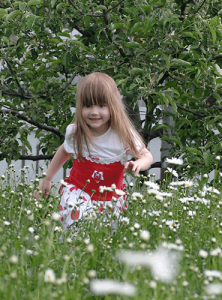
(172, 236)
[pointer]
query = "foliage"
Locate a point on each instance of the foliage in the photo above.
(184, 218)
(166, 52)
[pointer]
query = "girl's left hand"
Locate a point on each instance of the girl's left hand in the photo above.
(133, 166)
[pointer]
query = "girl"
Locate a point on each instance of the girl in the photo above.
(100, 138)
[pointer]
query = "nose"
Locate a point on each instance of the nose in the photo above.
(94, 110)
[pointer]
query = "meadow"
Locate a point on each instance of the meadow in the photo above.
(167, 244)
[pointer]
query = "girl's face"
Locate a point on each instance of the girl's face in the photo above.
(97, 118)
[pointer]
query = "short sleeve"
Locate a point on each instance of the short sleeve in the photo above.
(68, 143)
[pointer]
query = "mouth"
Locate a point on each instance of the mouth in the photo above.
(95, 119)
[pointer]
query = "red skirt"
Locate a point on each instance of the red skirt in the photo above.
(90, 176)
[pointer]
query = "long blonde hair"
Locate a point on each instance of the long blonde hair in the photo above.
(97, 89)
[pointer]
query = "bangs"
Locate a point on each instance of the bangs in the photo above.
(93, 94)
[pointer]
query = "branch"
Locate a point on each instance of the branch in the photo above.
(11, 45)
(82, 31)
(36, 157)
(13, 74)
(218, 107)
(16, 94)
(100, 15)
(157, 164)
(183, 8)
(118, 46)
(191, 111)
(111, 8)
(217, 56)
(67, 83)
(156, 133)
(111, 68)
(200, 7)
(35, 123)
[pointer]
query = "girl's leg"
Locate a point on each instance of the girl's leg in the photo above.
(73, 205)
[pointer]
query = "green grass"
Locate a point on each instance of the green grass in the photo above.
(92, 251)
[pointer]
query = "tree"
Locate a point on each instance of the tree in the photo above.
(167, 52)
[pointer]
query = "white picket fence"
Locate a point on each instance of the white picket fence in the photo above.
(36, 166)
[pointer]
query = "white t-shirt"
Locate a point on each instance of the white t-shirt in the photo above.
(108, 148)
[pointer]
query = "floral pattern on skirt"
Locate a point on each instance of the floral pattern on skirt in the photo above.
(75, 203)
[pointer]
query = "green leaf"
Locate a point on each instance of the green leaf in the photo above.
(219, 80)
(197, 75)
(218, 147)
(47, 105)
(159, 126)
(189, 34)
(162, 97)
(28, 145)
(121, 81)
(65, 34)
(38, 82)
(22, 6)
(171, 139)
(167, 61)
(66, 59)
(100, 7)
(214, 21)
(179, 62)
(198, 32)
(148, 24)
(132, 45)
(194, 151)
(216, 96)
(56, 62)
(39, 134)
(118, 25)
(173, 91)
(13, 14)
(136, 71)
(213, 33)
(136, 27)
(76, 42)
(165, 99)
(54, 40)
(30, 21)
(132, 86)
(34, 2)
(86, 20)
(2, 12)
(53, 2)
(207, 156)
(172, 102)
(214, 120)
(160, 76)
(4, 38)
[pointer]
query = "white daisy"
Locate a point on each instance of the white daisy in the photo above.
(49, 276)
(152, 185)
(109, 286)
(175, 161)
(173, 172)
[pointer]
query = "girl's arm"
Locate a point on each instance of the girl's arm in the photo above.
(60, 157)
(141, 163)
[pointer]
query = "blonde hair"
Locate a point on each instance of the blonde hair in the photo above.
(98, 89)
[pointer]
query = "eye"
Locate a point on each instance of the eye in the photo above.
(102, 105)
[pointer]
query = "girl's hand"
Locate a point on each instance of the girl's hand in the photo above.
(44, 187)
(134, 166)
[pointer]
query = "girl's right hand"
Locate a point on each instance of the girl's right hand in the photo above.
(44, 187)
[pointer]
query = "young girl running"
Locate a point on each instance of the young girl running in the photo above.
(100, 138)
